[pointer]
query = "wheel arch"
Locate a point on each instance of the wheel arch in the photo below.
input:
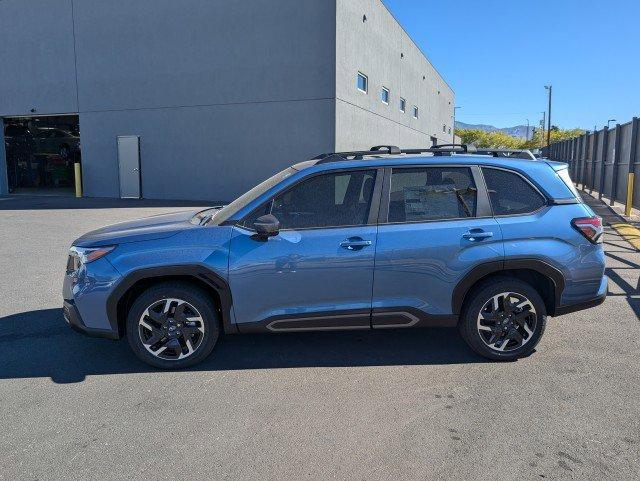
(134, 283)
(546, 279)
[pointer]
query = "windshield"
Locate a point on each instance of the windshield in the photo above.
(227, 211)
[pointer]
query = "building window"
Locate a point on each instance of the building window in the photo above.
(415, 112)
(363, 83)
(384, 95)
(403, 105)
(444, 128)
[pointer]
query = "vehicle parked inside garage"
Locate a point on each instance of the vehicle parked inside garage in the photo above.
(377, 239)
(40, 153)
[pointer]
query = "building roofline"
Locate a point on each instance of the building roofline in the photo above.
(426, 57)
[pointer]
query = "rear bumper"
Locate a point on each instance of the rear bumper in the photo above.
(73, 318)
(588, 303)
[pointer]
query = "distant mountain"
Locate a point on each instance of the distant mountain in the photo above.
(519, 131)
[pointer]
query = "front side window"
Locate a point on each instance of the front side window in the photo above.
(431, 193)
(327, 200)
(363, 82)
(510, 194)
(384, 95)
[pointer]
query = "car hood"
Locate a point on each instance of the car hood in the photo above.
(149, 228)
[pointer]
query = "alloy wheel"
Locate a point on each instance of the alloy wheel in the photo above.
(507, 322)
(171, 329)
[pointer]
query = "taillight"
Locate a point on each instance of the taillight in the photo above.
(590, 227)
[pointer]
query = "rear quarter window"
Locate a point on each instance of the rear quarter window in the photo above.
(510, 194)
(566, 178)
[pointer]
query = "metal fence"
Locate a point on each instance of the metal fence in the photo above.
(604, 161)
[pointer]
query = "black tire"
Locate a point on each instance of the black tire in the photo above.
(477, 299)
(191, 295)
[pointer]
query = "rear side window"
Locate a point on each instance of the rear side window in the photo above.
(510, 194)
(431, 193)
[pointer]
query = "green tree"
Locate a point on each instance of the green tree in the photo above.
(496, 140)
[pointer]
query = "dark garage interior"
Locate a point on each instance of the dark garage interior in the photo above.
(40, 154)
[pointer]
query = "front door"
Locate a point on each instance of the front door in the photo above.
(317, 273)
(437, 228)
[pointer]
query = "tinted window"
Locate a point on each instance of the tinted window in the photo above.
(431, 193)
(384, 95)
(362, 82)
(510, 194)
(327, 200)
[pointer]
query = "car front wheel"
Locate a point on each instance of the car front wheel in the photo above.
(503, 319)
(173, 325)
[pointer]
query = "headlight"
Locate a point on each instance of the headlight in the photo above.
(83, 255)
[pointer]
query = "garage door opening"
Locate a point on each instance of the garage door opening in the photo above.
(40, 154)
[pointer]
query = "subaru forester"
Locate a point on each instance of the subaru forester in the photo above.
(377, 239)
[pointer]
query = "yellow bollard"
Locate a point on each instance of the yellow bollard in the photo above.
(78, 176)
(627, 207)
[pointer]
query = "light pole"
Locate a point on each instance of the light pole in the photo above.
(453, 130)
(549, 88)
(609, 121)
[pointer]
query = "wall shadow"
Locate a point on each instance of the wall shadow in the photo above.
(24, 202)
(40, 344)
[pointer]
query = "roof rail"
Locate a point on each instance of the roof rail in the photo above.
(442, 149)
(513, 153)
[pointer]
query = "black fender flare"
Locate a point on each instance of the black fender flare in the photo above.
(198, 272)
(487, 268)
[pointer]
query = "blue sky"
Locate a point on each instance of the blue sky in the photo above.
(498, 55)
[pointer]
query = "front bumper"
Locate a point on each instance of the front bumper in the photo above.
(73, 318)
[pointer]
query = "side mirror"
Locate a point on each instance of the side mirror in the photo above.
(267, 225)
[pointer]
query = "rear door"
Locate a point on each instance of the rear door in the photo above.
(435, 225)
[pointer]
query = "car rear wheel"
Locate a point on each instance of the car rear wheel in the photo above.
(503, 319)
(173, 325)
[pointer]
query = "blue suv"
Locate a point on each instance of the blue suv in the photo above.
(378, 239)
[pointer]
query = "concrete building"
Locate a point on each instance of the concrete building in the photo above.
(220, 94)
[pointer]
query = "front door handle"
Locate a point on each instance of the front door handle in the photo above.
(475, 235)
(355, 243)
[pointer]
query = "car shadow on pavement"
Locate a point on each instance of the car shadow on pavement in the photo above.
(40, 344)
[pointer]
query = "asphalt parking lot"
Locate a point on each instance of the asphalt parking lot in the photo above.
(347, 405)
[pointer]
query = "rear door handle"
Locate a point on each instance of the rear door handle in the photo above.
(355, 243)
(475, 235)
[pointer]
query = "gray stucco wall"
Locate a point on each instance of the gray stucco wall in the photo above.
(208, 152)
(223, 94)
(374, 48)
(37, 68)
